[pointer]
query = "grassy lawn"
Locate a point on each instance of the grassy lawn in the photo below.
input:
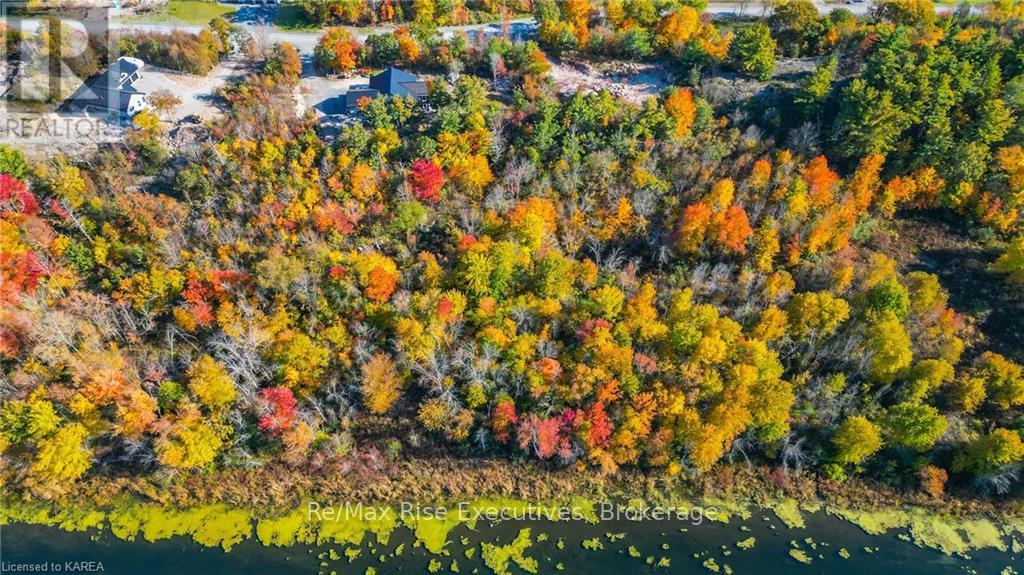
(195, 12)
(293, 17)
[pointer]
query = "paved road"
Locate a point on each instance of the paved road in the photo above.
(254, 18)
(303, 41)
(757, 8)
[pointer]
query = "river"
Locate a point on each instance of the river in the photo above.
(679, 548)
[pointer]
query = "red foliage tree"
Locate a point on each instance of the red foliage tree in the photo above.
(600, 426)
(547, 436)
(426, 179)
(544, 435)
(195, 293)
(279, 406)
(503, 419)
(15, 197)
(19, 273)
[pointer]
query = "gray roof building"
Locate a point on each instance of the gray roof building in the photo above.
(395, 82)
(390, 82)
(110, 93)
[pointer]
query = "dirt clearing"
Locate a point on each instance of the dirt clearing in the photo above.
(631, 81)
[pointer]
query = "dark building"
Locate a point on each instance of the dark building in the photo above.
(390, 82)
(110, 93)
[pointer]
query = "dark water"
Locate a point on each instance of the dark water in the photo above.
(770, 555)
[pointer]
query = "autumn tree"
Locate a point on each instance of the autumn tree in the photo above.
(915, 426)
(1003, 378)
(190, 445)
(856, 439)
(408, 48)
(337, 51)
(734, 230)
(753, 51)
(278, 410)
(906, 12)
(426, 179)
(381, 384)
(680, 107)
(933, 480)
(816, 314)
(967, 393)
(28, 420)
(60, 460)
(211, 384)
(1011, 262)
(890, 348)
(164, 102)
(676, 28)
(285, 63)
(927, 376)
(991, 452)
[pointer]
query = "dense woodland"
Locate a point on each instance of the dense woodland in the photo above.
(578, 281)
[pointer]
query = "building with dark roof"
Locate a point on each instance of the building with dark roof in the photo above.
(110, 93)
(390, 82)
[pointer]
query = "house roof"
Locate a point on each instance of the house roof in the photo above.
(100, 97)
(121, 71)
(395, 82)
(111, 90)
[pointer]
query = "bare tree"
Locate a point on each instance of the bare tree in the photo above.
(998, 482)
(374, 8)
(792, 453)
(164, 102)
(262, 41)
(240, 356)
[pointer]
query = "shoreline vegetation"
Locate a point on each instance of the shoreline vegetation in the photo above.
(221, 510)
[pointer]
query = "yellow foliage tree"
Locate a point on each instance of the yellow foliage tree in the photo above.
(62, 458)
(211, 384)
(381, 384)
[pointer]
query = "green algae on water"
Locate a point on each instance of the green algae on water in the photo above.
(951, 535)
(788, 511)
(433, 531)
(498, 557)
(800, 556)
